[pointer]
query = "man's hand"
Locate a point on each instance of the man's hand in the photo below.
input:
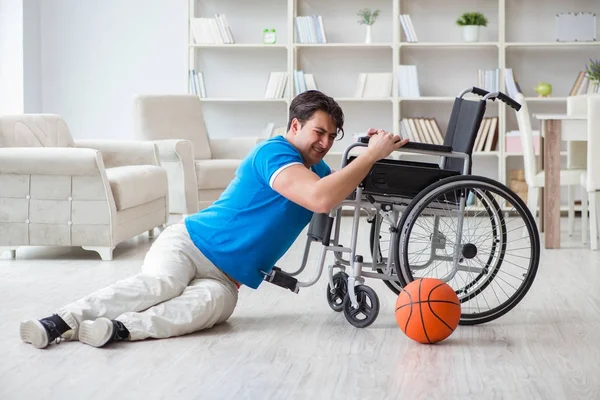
(371, 131)
(383, 143)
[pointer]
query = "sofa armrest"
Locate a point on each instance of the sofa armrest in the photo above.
(174, 150)
(176, 156)
(121, 153)
(50, 161)
(52, 195)
(233, 148)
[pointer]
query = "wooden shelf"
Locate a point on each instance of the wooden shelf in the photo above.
(346, 45)
(364, 99)
(428, 98)
(235, 100)
(551, 44)
(441, 98)
(238, 46)
(449, 45)
(562, 153)
(546, 99)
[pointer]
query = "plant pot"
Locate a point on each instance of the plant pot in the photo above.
(368, 38)
(471, 33)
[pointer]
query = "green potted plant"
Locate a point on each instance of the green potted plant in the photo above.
(471, 22)
(593, 74)
(367, 18)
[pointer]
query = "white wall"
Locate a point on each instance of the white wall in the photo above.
(32, 68)
(95, 55)
(11, 56)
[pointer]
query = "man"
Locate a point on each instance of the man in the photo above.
(191, 274)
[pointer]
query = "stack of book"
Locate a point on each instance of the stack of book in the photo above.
(487, 135)
(408, 81)
(489, 79)
(583, 85)
(310, 29)
(409, 30)
(196, 83)
(374, 85)
(512, 86)
(423, 130)
(211, 30)
(304, 82)
(276, 85)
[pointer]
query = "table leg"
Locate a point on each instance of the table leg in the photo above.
(541, 198)
(552, 183)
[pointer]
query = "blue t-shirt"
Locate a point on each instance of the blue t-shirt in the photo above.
(251, 226)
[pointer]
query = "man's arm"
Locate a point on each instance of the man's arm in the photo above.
(304, 187)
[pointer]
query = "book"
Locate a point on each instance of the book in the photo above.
(310, 29)
(374, 85)
(421, 129)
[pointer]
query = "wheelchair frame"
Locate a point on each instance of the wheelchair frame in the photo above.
(389, 208)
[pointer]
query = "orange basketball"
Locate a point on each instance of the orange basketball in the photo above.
(427, 310)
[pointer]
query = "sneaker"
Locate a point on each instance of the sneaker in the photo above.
(99, 332)
(43, 332)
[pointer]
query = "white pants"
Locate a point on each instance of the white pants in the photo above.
(179, 291)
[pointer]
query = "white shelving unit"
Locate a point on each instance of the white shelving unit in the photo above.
(520, 35)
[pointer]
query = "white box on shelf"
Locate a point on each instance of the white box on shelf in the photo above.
(576, 27)
(513, 143)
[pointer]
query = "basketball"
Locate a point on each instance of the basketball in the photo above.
(427, 310)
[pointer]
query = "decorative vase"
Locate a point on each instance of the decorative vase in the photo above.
(471, 33)
(368, 38)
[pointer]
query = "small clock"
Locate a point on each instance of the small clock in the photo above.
(269, 36)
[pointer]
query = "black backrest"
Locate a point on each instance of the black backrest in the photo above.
(462, 130)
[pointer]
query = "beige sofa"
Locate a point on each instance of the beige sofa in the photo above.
(199, 167)
(55, 191)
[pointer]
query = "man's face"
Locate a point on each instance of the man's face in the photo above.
(315, 138)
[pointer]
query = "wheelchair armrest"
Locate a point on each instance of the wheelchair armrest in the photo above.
(439, 148)
(428, 147)
(416, 147)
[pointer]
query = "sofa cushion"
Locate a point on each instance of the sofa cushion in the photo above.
(133, 185)
(34, 130)
(215, 174)
(172, 116)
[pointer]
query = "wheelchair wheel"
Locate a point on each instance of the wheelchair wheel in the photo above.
(368, 307)
(384, 238)
(340, 290)
(488, 253)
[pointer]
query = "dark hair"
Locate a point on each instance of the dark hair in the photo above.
(305, 104)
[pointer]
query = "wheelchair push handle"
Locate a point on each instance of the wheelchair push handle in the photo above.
(509, 101)
(479, 91)
(492, 96)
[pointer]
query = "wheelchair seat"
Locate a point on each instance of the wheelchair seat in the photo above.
(399, 178)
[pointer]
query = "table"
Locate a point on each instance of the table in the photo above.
(554, 128)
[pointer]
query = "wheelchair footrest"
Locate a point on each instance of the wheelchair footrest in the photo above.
(280, 278)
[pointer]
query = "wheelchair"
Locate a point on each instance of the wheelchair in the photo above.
(429, 220)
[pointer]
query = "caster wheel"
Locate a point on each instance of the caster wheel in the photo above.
(340, 289)
(368, 307)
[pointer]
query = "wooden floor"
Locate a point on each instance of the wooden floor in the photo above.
(281, 345)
